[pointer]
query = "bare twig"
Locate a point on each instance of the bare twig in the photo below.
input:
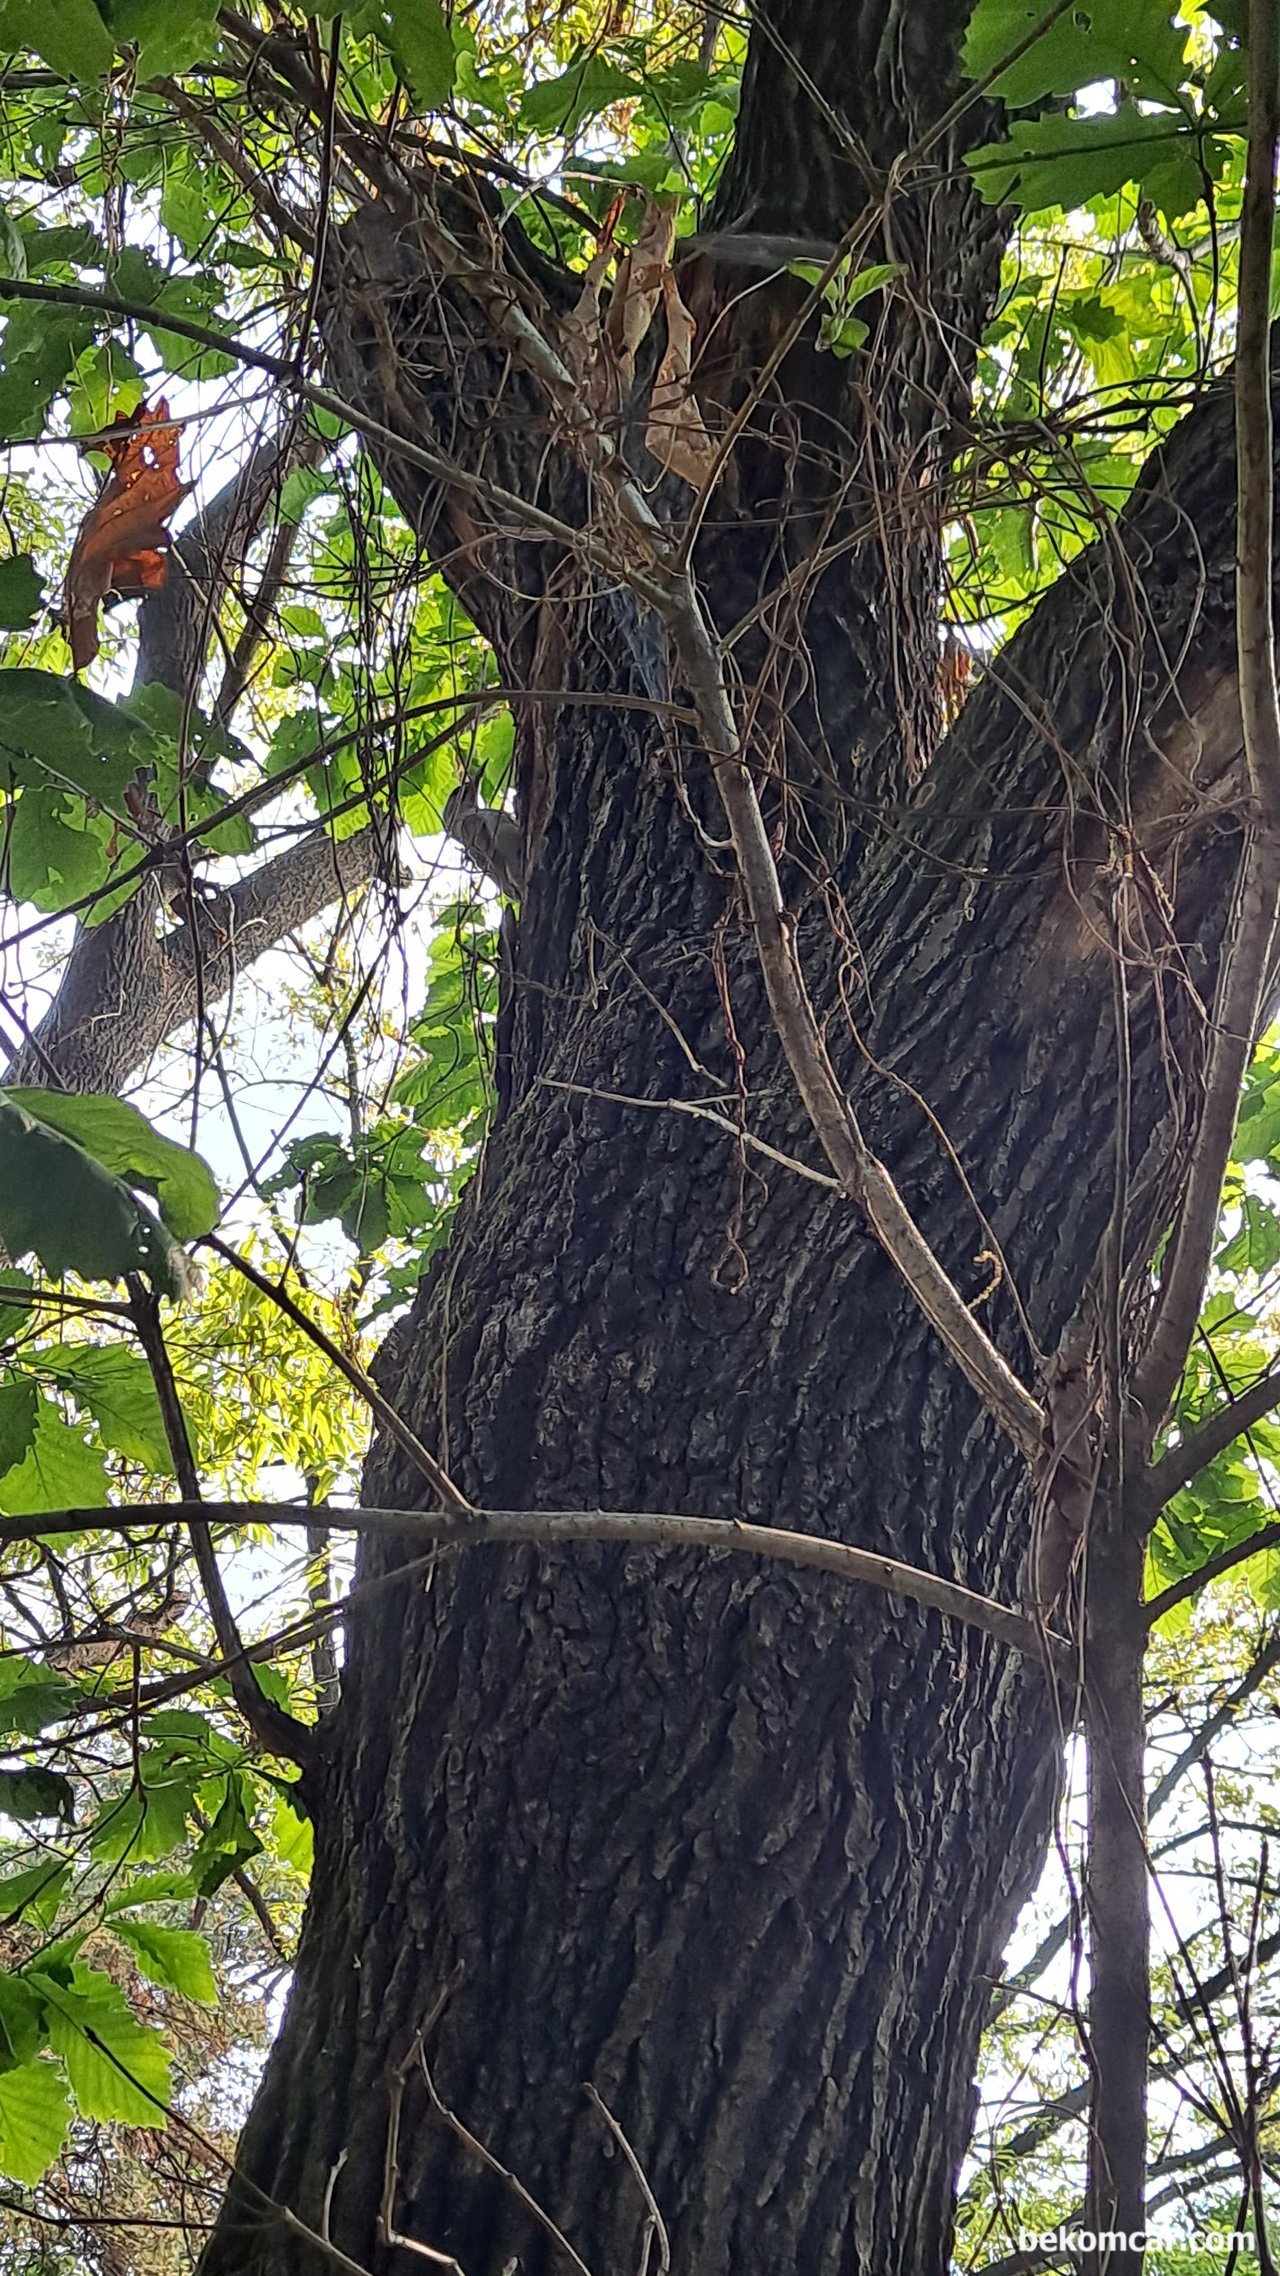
(1247, 954)
(860, 1173)
(1183, 1462)
(636, 1529)
(1267, 1537)
(436, 1476)
(276, 1729)
(485, 2157)
(657, 2225)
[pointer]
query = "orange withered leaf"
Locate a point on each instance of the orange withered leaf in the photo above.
(123, 541)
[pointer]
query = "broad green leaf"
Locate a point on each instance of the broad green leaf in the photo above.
(58, 1203)
(13, 249)
(117, 1388)
(1256, 1246)
(123, 1141)
(35, 1794)
(560, 106)
(68, 35)
(228, 1843)
(60, 733)
(66, 246)
(147, 1889)
(44, 1698)
(106, 381)
(149, 1823)
(38, 1890)
(1262, 1573)
(301, 487)
(192, 1737)
(22, 2031)
(18, 1405)
(57, 851)
(168, 36)
(17, 1303)
(116, 2067)
(292, 1836)
(59, 1470)
(1137, 41)
(21, 593)
(417, 33)
(175, 1958)
(1065, 162)
(40, 349)
(35, 2119)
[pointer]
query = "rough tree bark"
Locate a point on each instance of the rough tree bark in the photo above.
(736, 1848)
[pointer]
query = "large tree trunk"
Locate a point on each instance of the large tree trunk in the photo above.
(737, 1847)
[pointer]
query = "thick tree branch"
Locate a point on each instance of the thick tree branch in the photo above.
(127, 987)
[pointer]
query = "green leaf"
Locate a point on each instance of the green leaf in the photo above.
(1065, 162)
(229, 1842)
(39, 1891)
(35, 2119)
(68, 35)
(117, 2069)
(61, 734)
(21, 593)
(292, 1836)
(1256, 1247)
(106, 381)
(123, 1141)
(151, 1820)
(117, 1388)
(175, 1958)
(35, 1696)
(418, 35)
(58, 1203)
(59, 1470)
(148, 1889)
(168, 37)
(17, 1303)
(35, 1793)
(560, 106)
(57, 852)
(301, 488)
(1137, 41)
(67, 246)
(22, 2032)
(18, 1405)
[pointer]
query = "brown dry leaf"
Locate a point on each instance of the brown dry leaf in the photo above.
(580, 334)
(954, 669)
(676, 435)
(123, 540)
(640, 283)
